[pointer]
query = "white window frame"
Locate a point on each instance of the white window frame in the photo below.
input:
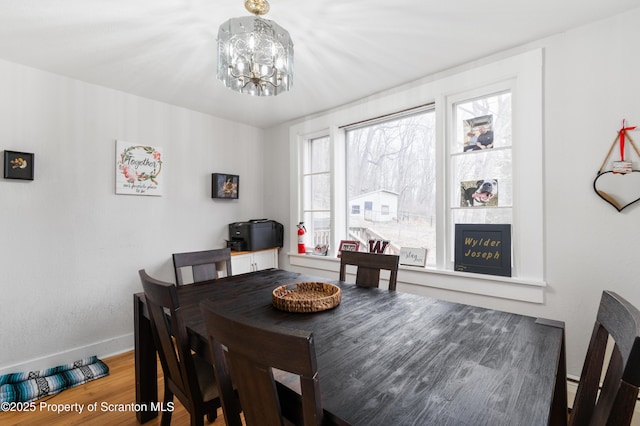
(445, 260)
(522, 74)
(306, 209)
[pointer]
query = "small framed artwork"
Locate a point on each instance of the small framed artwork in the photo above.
(18, 165)
(479, 193)
(224, 185)
(478, 133)
(348, 245)
(413, 256)
(483, 249)
(321, 250)
(138, 169)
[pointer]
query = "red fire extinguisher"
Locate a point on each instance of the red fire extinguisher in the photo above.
(301, 232)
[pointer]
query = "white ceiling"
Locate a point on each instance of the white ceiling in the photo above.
(344, 49)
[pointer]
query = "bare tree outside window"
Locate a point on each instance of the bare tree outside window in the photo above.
(391, 173)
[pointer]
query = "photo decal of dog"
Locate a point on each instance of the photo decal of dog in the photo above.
(479, 193)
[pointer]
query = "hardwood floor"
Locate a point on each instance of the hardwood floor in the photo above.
(108, 392)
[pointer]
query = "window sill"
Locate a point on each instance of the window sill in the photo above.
(512, 288)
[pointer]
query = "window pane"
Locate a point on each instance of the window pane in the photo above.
(318, 228)
(317, 158)
(391, 182)
(482, 215)
(481, 189)
(317, 192)
(469, 170)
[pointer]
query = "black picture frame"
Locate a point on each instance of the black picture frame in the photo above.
(224, 185)
(483, 249)
(18, 165)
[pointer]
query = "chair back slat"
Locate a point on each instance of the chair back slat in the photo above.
(614, 403)
(369, 267)
(257, 390)
(203, 264)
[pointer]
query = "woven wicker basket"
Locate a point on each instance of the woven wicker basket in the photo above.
(306, 297)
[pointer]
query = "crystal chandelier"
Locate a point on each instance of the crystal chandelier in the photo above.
(255, 55)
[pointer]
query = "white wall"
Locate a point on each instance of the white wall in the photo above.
(591, 84)
(70, 248)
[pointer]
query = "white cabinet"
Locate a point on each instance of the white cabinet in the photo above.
(250, 261)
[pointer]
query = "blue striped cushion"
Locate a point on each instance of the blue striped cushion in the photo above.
(25, 387)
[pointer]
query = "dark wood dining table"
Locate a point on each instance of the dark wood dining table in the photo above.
(394, 358)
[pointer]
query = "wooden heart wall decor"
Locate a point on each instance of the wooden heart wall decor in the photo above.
(619, 186)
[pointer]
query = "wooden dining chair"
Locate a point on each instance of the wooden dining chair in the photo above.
(203, 264)
(189, 377)
(246, 353)
(619, 320)
(369, 266)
